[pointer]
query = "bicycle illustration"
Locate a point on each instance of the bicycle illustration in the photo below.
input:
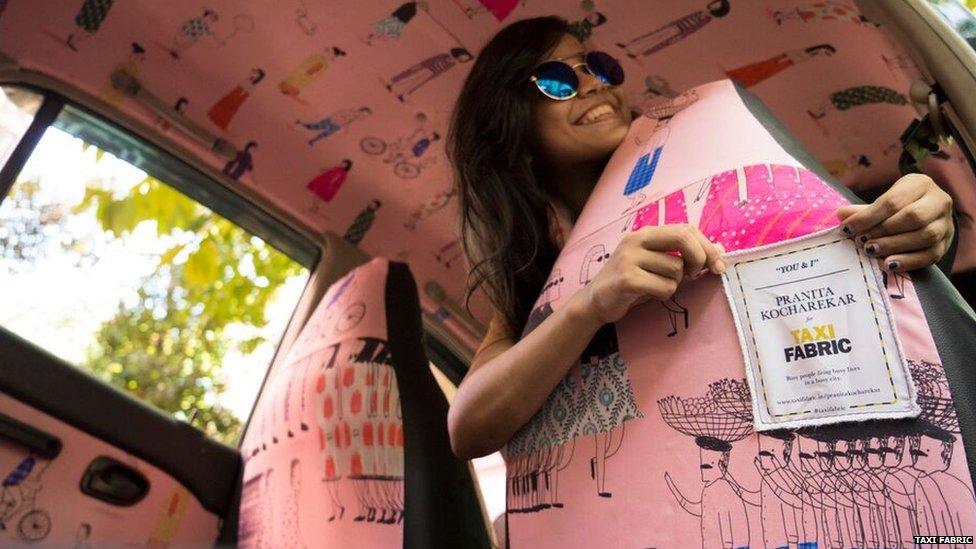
(18, 497)
(407, 154)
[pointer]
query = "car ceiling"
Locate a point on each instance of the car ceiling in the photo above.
(209, 52)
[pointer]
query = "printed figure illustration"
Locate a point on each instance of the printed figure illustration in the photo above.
(754, 73)
(325, 185)
(664, 108)
(89, 19)
(592, 262)
(18, 501)
(655, 88)
(855, 97)
(131, 66)
(839, 168)
(196, 28)
(675, 31)
(303, 20)
(499, 8)
(721, 512)
(594, 399)
(407, 154)
(242, 163)
(224, 110)
(249, 532)
(179, 107)
(360, 431)
(429, 208)
(828, 10)
(583, 28)
(410, 80)
(772, 202)
(871, 484)
(307, 72)
(449, 253)
(391, 27)
(361, 224)
(290, 523)
(334, 122)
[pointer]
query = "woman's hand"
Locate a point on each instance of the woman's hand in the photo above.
(909, 226)
(641, 268)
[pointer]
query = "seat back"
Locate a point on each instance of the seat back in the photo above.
(348, 442)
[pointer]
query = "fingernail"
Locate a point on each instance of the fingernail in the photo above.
(719, 266)
(871, 249)
(846, 229)
(894, 265)
(863, 238)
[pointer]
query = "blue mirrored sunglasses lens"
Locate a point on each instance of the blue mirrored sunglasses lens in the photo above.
(556, 79)
(605, 67)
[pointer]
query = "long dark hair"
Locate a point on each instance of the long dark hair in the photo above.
(504, 205)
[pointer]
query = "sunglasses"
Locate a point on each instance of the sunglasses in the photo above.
(557, 79)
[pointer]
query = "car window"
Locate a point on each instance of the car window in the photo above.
(17, 109)
(114, 269)
(960, 17)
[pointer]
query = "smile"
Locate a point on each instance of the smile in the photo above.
(596, 114)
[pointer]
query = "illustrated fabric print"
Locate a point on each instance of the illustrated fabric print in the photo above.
(391, 27)
(675, 31)
(226, 108)
(308, 71)
(410, 80)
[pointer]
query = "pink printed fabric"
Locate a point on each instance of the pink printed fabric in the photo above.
(324, 451)
(322, 61)
(686, 468)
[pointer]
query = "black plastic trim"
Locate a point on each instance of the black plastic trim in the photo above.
(208, 469)
(37, 442)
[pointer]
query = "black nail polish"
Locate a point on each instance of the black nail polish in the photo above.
(847, 230)
(893, 265)
(863, 238)
(871, 249)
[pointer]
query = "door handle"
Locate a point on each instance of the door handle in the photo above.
(38, 442)
(114, 482)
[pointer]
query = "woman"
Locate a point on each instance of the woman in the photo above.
(525, 165)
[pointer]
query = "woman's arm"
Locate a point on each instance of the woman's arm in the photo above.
(508, 381)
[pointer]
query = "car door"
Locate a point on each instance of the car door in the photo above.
(114, 425)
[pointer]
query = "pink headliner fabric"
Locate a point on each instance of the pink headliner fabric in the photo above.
(293, 77)
(649, 441)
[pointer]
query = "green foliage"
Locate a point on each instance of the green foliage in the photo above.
(166, 346)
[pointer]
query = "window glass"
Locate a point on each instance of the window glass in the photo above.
(116, 271)
(17, 109)
(959, 17)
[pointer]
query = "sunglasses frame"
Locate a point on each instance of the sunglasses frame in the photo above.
(572, 67)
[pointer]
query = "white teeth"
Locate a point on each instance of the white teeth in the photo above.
(596, 113)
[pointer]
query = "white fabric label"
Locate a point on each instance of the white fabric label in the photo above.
(816, 334)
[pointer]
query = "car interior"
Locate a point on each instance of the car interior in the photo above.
(233, 303)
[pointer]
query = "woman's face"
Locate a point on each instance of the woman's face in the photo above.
(566, 132)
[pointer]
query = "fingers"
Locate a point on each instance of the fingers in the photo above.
(664, 265)
(930, 208)
(914, 260)
(695, 250)
(906, 190)
(928, 236)
(653, 285)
